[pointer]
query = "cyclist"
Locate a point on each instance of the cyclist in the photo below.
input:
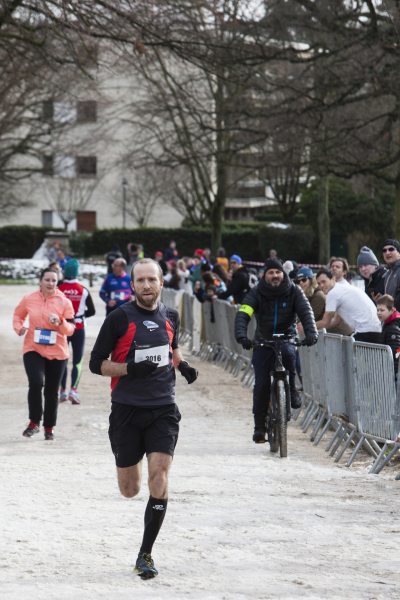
(142, 338)
(276, 301)
(116, 288)
(83, 308)
(51, 320)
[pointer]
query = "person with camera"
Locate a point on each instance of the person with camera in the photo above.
(51, 321)
(277, 302)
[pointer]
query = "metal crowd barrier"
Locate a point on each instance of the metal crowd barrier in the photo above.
(347, 386)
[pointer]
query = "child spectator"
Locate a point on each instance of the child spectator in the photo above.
(390, 318)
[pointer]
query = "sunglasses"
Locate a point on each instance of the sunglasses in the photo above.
(391, 249)
(302, 280)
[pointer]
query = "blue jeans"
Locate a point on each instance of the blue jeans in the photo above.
(263, 363)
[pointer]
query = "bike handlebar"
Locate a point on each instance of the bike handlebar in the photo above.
(294, 341)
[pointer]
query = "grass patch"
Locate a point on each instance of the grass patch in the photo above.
(14, 281)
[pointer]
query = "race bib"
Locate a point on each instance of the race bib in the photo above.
(156, 354)
(118, 295)
(48, 337)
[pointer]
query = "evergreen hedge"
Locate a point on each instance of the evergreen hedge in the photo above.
(22, 241)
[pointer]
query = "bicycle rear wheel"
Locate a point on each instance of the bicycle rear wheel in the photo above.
(282, 416)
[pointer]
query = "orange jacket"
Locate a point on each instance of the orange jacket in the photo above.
(38, 308)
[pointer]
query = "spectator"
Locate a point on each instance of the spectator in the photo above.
(56, 266)
(62, 259)
(351, 304)
(174, 280)
(340, 268)
(273, 254)
(111, 256)
(260, 273)
(288, 267)
(132, 254)
(372, 273)
(184, 273)
(51, 253)
(239, 284)
(306, 280)
(390, 317)
(116, 288)
(210, 279)
(221, 259)
(207, 256)
(171, 253)
(141, 251)
(391, 254)
(221, 272)
(293, 275)
(159, 258)
(196, 274)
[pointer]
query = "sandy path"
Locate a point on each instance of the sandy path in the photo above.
(241, 523)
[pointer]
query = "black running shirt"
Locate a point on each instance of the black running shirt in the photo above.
(131, 332)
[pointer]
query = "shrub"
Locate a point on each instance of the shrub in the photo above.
(293, 243)
(22, 241)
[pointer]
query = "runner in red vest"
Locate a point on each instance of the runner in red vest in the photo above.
(83, 308)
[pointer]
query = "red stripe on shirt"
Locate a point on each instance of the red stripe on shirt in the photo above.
(121, 350)
(170, 333)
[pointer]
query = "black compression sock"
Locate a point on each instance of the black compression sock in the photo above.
(153, 519)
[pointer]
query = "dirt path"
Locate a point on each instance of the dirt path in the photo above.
(241, 523)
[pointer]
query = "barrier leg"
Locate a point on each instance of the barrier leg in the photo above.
(317, 425)
(389, 457)
(346, 445)
(296, 412)
(319, 438)
(375, 446)
(356, 451)
(334, 437)
(311, 419)
(246, 371)
(397, 477)
(306, 413)
(340, 440)
(378, 460)
(368, 448)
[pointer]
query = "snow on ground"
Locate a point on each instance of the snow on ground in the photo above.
(241, 524)
(29, 270)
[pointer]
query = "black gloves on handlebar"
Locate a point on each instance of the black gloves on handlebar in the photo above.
(311, 340)
(246, 343)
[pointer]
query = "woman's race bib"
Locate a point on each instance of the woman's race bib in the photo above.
(156, 354)
(48, 337)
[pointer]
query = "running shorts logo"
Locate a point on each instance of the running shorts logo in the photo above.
(151, 326)
(158, 507)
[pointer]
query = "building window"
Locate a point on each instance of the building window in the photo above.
(47, 218)
(86, 221)
(64, 166)
(48, 166)
(86, 166)
(87, 112)
(64, 112)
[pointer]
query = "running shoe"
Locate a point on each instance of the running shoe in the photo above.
(73, 396)
(63, 396)
(145, 566)
(31, 430)
(48, 434)
(259, 436)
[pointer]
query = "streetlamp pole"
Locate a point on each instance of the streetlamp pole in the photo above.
(124, 186)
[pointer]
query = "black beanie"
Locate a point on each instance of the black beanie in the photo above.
(273, 263)
(390, 242)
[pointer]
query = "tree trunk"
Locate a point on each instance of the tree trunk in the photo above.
(324, 232)
(397, 205)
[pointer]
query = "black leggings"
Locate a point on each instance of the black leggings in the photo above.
(38, 368)
(77, 341)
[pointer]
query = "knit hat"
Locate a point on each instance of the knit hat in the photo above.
(236, 258)
(288, 266)
(71, 269)
(273, 263)
(305, 272)
(367, 257)
(199, 252)
(159, 254)
(391, 242)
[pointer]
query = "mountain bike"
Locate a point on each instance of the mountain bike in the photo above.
(279, 411)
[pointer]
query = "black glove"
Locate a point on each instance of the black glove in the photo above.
(246, 343)
(142, 369)
(189, 373)
(311, 340)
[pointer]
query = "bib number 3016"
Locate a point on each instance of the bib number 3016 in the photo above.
(157, 354)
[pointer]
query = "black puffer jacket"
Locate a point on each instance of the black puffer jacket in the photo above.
(376, 282)
(391, 337)
(276, 310)
(238, 287)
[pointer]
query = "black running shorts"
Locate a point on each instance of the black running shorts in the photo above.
(135, 431)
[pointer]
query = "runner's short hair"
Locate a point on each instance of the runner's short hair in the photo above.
(146, 261)
(47, 270)
(387, 301)
(327, 272)
(121, 260)
(339, 259)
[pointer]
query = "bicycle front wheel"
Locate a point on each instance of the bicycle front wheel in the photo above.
(282, 417)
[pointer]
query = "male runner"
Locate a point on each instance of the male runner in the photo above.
(142, 338)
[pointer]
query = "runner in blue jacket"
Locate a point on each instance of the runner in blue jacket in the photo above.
(116, 288)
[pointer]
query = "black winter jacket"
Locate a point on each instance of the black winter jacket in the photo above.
(391, 337)
(376, 282)
(275, 313)
(238, 287)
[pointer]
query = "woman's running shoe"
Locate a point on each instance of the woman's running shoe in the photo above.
(48, 433)
(31, 430)
(145, 566)
(63, 396)
(73, 396)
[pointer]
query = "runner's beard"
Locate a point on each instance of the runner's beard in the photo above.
(148, 301)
